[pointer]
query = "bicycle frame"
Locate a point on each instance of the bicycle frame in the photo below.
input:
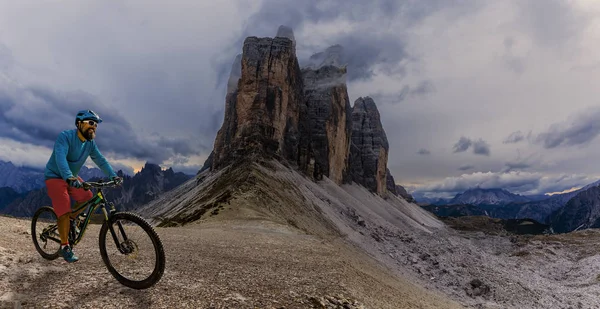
(97, 201)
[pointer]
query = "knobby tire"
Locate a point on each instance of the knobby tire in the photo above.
(159, 265)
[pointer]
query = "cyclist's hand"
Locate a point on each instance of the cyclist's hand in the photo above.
(118, 180)
(74, 182)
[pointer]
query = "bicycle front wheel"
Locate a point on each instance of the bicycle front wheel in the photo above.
(132, 250)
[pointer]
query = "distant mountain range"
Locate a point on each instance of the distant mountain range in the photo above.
(24, 179)
(580, 212)
(136, 191)
(479, 196)
(564, 212)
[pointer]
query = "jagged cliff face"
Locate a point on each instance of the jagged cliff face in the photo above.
(262, 114)
(580, 212)
(325, 123)
(369, 149)
(302, 116)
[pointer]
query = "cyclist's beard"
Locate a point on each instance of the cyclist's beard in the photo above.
(89, 135)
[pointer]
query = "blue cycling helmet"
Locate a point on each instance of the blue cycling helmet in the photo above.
(87, 114)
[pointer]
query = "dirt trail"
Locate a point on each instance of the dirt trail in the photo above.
(227, 264)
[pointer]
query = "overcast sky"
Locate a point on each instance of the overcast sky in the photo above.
(471, 93)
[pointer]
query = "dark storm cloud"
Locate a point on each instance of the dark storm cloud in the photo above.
(363, 47)
(36, 115)
(462, 145)
(581, 129)
(363, 51)
(481, 147)
(510, 166)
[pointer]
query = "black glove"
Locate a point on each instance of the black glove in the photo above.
(74, 182)
(118, 180)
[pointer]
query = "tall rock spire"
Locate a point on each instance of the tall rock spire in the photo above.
(369, 149)
(262, 113)
(326, 126)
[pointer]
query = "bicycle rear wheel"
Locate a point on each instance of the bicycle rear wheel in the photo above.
(44, 232)
(132, 250)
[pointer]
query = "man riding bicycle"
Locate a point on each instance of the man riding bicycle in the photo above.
(71, 150)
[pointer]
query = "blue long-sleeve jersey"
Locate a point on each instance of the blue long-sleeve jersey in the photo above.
(69, 155)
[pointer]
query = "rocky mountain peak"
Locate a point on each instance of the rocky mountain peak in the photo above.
(150, 168)
(369, 150)
(300, 116)
(261, 116)
(491, 196)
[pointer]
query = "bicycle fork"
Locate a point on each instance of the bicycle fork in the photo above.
(123, 246)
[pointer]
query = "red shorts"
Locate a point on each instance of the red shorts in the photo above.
(59, 192)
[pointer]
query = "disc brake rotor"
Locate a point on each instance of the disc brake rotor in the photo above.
(130, 248)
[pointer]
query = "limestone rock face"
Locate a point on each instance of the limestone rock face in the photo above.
(326, 125)
(390, 183)
(302, 117)
(369, 149)
(262, 113)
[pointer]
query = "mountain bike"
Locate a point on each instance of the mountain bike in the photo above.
(122, 252)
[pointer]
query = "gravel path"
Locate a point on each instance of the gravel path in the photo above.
(229, 264)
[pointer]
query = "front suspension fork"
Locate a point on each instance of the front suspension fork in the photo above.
(119, 245)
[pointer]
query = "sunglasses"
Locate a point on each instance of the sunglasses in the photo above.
(90, 122)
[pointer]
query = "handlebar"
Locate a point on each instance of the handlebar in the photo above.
(90, 184)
